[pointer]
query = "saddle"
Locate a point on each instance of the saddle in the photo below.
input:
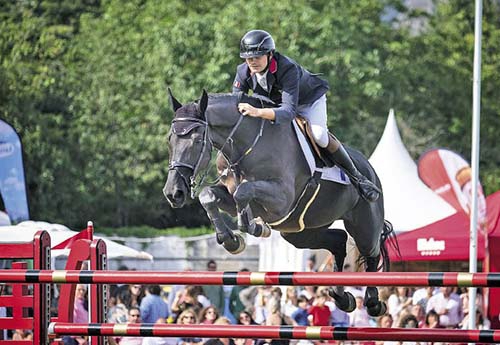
(305, 128)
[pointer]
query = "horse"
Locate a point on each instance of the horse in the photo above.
(271, 187)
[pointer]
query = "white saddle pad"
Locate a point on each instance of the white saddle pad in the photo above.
(333, 174)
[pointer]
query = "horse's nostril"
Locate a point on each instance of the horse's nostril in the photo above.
(179, 195)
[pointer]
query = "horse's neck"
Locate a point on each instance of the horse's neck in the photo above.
(277, 141)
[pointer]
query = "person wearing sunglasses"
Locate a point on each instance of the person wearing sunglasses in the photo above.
(188, 317)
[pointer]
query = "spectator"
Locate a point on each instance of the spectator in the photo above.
(22, 334)
(319, 313)
(309, 292)
(338, 317)
(119, 312)
(422, 296)
(300, 315)
(291, 301)
(432, 320)
(187, 299)
(235, 303)
(481, 322)
(261, 312)
(215, 293)
(153, 306)
(311, 264)
(275, 318)
(173, 293)
(408, 321)
(80, 315)
(359, 317)
(188, 317)
(385, 321)
(419, 312)
(134, 316)
(248, 297)
(208, 315)
(397, 303)
(447, 305)
(136, 294)
(245, 318)
(221, 341)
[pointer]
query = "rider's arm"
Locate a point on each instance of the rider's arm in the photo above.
(240, 84)
(290, 95)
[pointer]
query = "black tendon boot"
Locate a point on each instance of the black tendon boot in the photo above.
(339, 155)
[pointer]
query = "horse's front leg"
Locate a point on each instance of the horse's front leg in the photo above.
(268, 194)
(213, 199)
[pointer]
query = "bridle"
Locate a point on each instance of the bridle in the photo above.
(193, 123)
(175, 165)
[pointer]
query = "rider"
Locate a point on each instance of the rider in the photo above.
(296, 90)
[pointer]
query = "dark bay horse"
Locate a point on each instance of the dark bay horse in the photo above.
(271, 182)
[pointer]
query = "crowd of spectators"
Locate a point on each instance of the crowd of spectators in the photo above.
(425, 307)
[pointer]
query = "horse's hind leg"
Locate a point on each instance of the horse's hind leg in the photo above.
(335, 241)
(212, 199)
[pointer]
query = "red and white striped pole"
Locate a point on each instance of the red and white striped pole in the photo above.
(277, 332)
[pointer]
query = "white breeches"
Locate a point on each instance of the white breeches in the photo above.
(316, 114)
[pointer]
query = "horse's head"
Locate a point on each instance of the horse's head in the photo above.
(189, 148)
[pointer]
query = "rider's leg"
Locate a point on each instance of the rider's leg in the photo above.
(316, 114)
(339, 155)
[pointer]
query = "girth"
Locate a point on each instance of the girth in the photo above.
(294, 221)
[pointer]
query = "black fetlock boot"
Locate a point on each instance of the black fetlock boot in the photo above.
(366, 188)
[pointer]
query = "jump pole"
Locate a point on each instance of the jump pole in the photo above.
(253, 278)
(277, 332)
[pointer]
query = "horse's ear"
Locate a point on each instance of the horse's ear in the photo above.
(203, 101)
(175, 103)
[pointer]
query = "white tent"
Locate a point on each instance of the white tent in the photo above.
(24, 232)
(409, 204)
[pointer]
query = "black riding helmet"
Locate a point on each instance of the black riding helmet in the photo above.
(256, 43)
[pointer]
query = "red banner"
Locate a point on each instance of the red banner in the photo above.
(449, 175)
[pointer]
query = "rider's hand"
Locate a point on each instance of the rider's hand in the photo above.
(247, 109)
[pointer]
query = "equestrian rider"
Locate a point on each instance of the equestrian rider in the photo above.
(297, 91)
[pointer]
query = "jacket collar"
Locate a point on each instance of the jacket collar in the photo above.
(273, 68)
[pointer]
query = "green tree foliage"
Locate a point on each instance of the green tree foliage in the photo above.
(85, 82)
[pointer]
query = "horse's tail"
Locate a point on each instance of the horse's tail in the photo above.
(387, 236)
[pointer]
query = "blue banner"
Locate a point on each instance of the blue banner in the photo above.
(12, 183)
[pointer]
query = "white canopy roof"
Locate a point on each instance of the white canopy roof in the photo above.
(24, 232)
(409, 204)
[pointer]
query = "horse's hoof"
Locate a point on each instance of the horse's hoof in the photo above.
(266, 230)
(259, 228)
(346, 303)
(378, 309)
(221, 238)
(235, 245)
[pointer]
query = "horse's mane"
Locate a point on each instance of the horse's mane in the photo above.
(255, 100)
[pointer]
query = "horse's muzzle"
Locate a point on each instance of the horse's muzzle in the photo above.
(175, 199)
(175, 190)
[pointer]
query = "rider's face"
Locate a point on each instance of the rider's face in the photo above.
(257, 64)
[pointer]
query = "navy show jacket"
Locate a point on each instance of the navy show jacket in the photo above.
(289, 85)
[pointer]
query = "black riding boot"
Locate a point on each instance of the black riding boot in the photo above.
(340, 157)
